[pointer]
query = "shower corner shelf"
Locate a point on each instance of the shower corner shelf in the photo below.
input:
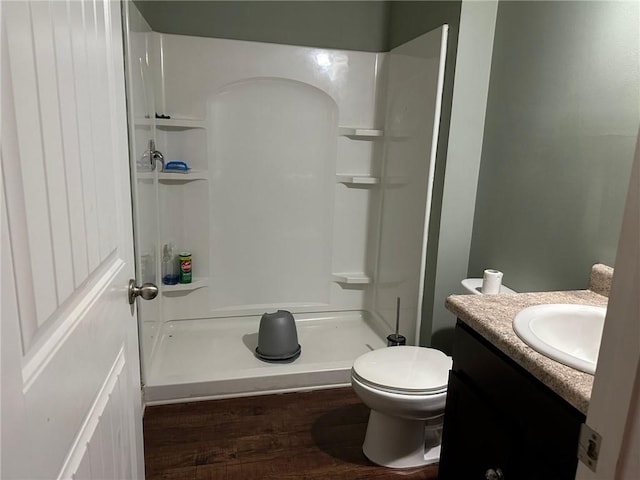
(175, 177)
(183, 177)
(179, 123)
(360, 133)
(185, 287)
(352, 278)
(357, 180)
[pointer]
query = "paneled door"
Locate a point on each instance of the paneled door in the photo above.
(71, 401)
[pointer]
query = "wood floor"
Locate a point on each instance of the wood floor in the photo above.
(311, 435)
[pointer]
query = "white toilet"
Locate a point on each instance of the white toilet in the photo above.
(406, 389)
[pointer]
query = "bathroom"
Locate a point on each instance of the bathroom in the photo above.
(536, 113)
(524, 160)
(350, 162)
(466, 231)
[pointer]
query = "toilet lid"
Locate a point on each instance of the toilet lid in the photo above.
(405, 368)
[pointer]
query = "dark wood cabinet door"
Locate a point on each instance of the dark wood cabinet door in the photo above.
(499, 416)
(477, 437)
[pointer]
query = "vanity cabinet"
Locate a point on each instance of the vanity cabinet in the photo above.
(502, 423)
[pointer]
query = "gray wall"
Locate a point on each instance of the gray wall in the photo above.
(372, 25)
(408, 20)
(562, 119)
(347, 25)
(468, 111)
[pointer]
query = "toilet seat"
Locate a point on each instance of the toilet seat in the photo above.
(404, 370)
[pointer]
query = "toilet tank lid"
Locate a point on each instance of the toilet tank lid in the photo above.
(408, 368)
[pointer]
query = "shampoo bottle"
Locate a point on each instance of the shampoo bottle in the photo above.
(169, 265)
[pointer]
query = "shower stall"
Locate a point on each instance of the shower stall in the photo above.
(309, 190)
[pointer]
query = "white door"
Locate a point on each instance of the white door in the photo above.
(614, 410)
(71, 403)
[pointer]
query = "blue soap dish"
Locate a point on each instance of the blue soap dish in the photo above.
(176, 166)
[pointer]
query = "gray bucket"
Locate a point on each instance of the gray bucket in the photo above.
(278, 337)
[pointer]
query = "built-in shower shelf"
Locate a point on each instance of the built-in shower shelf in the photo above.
(179, 123)
(183, 177)
(357, 180)
(352, 278)
(185, 287)
(360, 133)
(189, 176)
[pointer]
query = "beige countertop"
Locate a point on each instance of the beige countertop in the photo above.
(492, 316)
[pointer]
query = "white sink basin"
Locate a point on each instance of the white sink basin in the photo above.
(569, 334)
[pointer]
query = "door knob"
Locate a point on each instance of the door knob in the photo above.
(147, 291)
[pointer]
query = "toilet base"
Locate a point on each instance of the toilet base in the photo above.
(402, 443)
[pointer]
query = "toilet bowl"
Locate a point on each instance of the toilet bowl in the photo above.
(406, 388)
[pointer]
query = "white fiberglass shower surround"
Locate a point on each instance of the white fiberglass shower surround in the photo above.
(309, 191)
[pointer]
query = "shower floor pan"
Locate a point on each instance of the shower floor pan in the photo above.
(214, 358)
